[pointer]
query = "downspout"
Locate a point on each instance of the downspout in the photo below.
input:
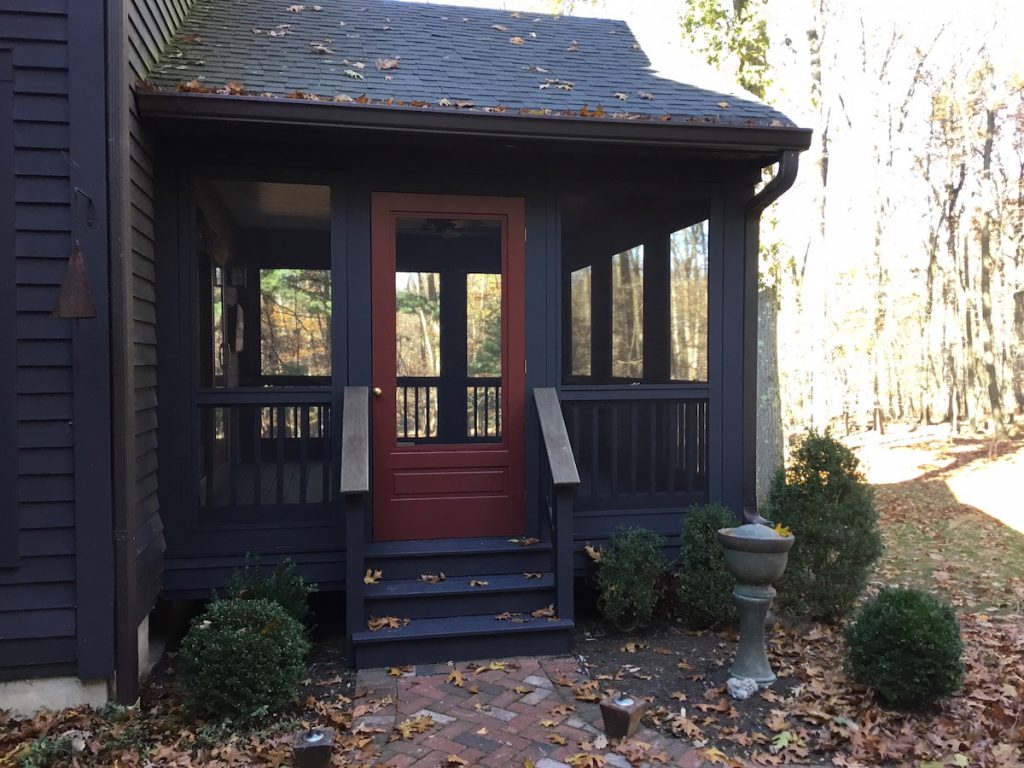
(789, 162)
(126, 651)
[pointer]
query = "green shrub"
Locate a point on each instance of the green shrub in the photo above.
(630, 577)
(906, 645)
(45, 752)
(283, 585)
(243, 659)
(705, 586)
(824, 500)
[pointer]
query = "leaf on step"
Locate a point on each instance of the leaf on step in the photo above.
(372, 577)
(478, 583)
(432, 578)
(453, 761)
(481, 731)
(554, 738)
(562, 709)
(480, 707)
(597, 745)
(544, 613)
(522, 690)
(594, 553)
(529, 575)
(399, 671)
(524, 542)
(456, 679)
(548, 723)
(376, 623)
(407, 729)
(515, 618)
(474, 688)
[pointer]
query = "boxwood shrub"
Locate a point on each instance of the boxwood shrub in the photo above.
(284, 585)
(243, 659)
(825, 501)
(705, 586)
(630, 577)
(906, 645)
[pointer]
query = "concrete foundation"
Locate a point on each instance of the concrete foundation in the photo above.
(26, 697)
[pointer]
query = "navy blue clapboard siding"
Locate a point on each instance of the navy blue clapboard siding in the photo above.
(151, 24)
(37, 537)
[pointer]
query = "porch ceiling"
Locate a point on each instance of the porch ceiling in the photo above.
(419, 63)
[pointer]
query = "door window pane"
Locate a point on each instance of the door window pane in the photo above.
(689, 297)
(483, 324)
(628, 313)
(418, 323)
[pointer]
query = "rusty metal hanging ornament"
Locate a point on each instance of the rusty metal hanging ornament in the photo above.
(75, 298)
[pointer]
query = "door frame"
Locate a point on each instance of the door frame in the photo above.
(386, 208)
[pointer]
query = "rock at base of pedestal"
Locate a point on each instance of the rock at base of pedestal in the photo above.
(741, 688)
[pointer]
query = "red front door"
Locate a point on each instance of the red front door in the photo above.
(448, 366)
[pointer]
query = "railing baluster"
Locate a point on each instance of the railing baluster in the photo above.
(416, 411)
(257, 456)
(653, 458)
(303, 453)
(691, 446)
(326, 459)
(594, 432)
(233, 452)
(634, 446)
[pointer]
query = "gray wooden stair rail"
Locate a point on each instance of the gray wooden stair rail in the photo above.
(354, 487)
(561, 466)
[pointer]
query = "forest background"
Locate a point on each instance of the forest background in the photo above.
(892, 274)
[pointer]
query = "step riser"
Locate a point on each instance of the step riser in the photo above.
(439, 650)
(412, 566)
(429, 606)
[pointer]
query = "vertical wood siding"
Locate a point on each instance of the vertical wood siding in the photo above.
(37, 594)
(151, 24)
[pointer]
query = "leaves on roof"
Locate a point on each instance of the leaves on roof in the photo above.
(538, 69)
(499, 27)
(279, 31)
(388, 63)
(517, 40)
(645, 95)
(621, 96)
(322, 47)
(574, 47)
(353, 74)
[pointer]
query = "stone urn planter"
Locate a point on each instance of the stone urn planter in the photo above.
(756, 556)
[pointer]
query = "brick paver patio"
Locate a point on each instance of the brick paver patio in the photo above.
(521, 710)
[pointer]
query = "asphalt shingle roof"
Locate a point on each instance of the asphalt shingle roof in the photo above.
(446, 55)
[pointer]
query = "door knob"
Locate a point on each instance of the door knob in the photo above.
(377, 391)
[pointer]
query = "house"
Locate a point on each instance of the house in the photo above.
(367, 284)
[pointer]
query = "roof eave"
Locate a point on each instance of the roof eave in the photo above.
(209, 107)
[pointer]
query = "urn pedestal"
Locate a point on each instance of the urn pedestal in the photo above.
(756, 556)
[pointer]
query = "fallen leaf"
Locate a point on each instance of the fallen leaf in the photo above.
(554, 738)
(522, 690)
(544, 613)
(407, 729)
(499, 27)
(456, 679)
(322, 49)
(678, 696)
(453, 761)
(399, 671)
(779, 527)
(594, 553)
(481, 731)
(296, 8)
(715, 756)
(537, 69)
(517, 40)
(548, 723)
(621, 96)
(432, 578)
(574, 47)
(388, 63)
(529, 575)
(376, 623)
(724, 104)
(645, 95)
(353, 74)
(562, 709)
(585, 760)
(478, 583)
(633, 646)
(525, 542)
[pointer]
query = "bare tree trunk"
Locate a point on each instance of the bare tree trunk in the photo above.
(769, 404)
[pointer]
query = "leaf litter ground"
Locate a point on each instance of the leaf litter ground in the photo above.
(952, 525)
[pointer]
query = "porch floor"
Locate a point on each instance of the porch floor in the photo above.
(488, 722)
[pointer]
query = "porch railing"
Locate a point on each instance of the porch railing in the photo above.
(264, 449)
(428, 410)
(561, 480)
(636, 453)
(355, 487)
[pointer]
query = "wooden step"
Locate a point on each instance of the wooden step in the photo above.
(416, 599)
(461, 638)
(456, 557)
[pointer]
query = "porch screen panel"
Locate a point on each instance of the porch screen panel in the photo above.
(689, 303)
(627, 306)
(264, 307)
